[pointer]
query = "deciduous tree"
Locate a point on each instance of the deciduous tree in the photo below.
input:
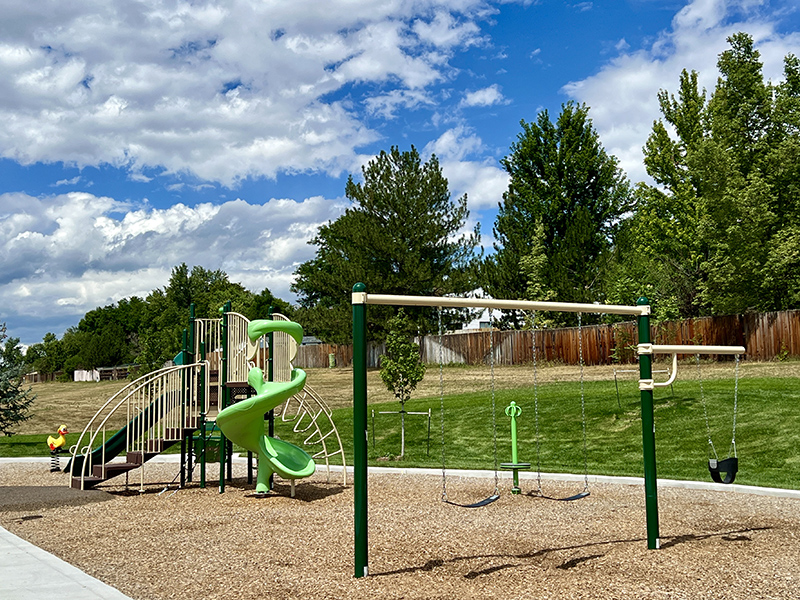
(564, 199)
(401, 369)
(717, 231)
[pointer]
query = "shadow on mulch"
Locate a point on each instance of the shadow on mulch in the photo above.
(33, 498)
(728, 536)
(305, 491)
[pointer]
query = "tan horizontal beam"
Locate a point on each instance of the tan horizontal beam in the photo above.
(448, 302)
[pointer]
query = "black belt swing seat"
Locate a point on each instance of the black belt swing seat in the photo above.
(729, 466)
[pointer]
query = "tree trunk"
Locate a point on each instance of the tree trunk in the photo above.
(402, 432)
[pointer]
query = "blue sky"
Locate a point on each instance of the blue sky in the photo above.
(141, 135)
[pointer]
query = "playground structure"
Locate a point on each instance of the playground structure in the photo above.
(219, 367)
(645, 349)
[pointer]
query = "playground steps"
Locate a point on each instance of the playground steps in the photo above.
(134, 460)
(176, 433)
(139, 459)
(88, 482)
(112, 469)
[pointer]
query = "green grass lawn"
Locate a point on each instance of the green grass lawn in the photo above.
(768, 430)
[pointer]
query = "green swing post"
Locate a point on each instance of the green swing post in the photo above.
(648, 433)
(360, 427)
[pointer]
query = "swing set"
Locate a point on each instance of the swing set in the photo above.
(646, 351)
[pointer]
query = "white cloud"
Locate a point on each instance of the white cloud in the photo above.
(622, 95)
(72, 181)
(455, 144)
(482, 180)
(64, 255)
(487, 96)
(219, 91)
(387, 105)
(445, 31)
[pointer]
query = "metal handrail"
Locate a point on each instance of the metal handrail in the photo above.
(134, 391)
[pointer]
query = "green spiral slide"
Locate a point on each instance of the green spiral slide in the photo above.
(243, 422)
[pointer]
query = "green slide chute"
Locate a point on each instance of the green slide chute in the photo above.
(243, 422)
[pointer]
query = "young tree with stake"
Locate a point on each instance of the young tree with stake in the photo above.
(401, 369)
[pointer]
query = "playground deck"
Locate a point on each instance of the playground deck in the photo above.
(196, 543)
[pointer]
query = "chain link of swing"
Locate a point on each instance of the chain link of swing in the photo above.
(732, 448)
(539, 490)
(442, 411)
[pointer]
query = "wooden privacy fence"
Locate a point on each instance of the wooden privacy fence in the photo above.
(766, 336)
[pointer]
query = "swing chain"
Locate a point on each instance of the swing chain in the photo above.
(441, 404)
(705, 409)
(732, 449)
(583, 409)
(494, 415)
(536, 408)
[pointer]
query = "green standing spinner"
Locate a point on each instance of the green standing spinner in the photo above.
(513, 411)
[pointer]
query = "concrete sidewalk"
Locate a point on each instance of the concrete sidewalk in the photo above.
(29, 573)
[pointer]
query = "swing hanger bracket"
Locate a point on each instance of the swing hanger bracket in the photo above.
(650, 349)
(651, 384)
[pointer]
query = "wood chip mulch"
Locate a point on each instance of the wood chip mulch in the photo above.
(197, 543)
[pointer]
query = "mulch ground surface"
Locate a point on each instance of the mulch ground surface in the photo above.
(198, 543)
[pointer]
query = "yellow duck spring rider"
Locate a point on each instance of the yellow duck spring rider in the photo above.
(57, 446)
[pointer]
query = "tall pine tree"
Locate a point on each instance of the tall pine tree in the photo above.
(400, 236)
(15, 401)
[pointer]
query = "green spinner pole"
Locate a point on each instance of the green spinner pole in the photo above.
(360, 428)
(648, 434)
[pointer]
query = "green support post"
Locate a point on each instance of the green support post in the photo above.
(648, 434)
(360, 429)
(270, 416)
(223, 401)
(192, 359)
(202, 422)
(184, 462)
